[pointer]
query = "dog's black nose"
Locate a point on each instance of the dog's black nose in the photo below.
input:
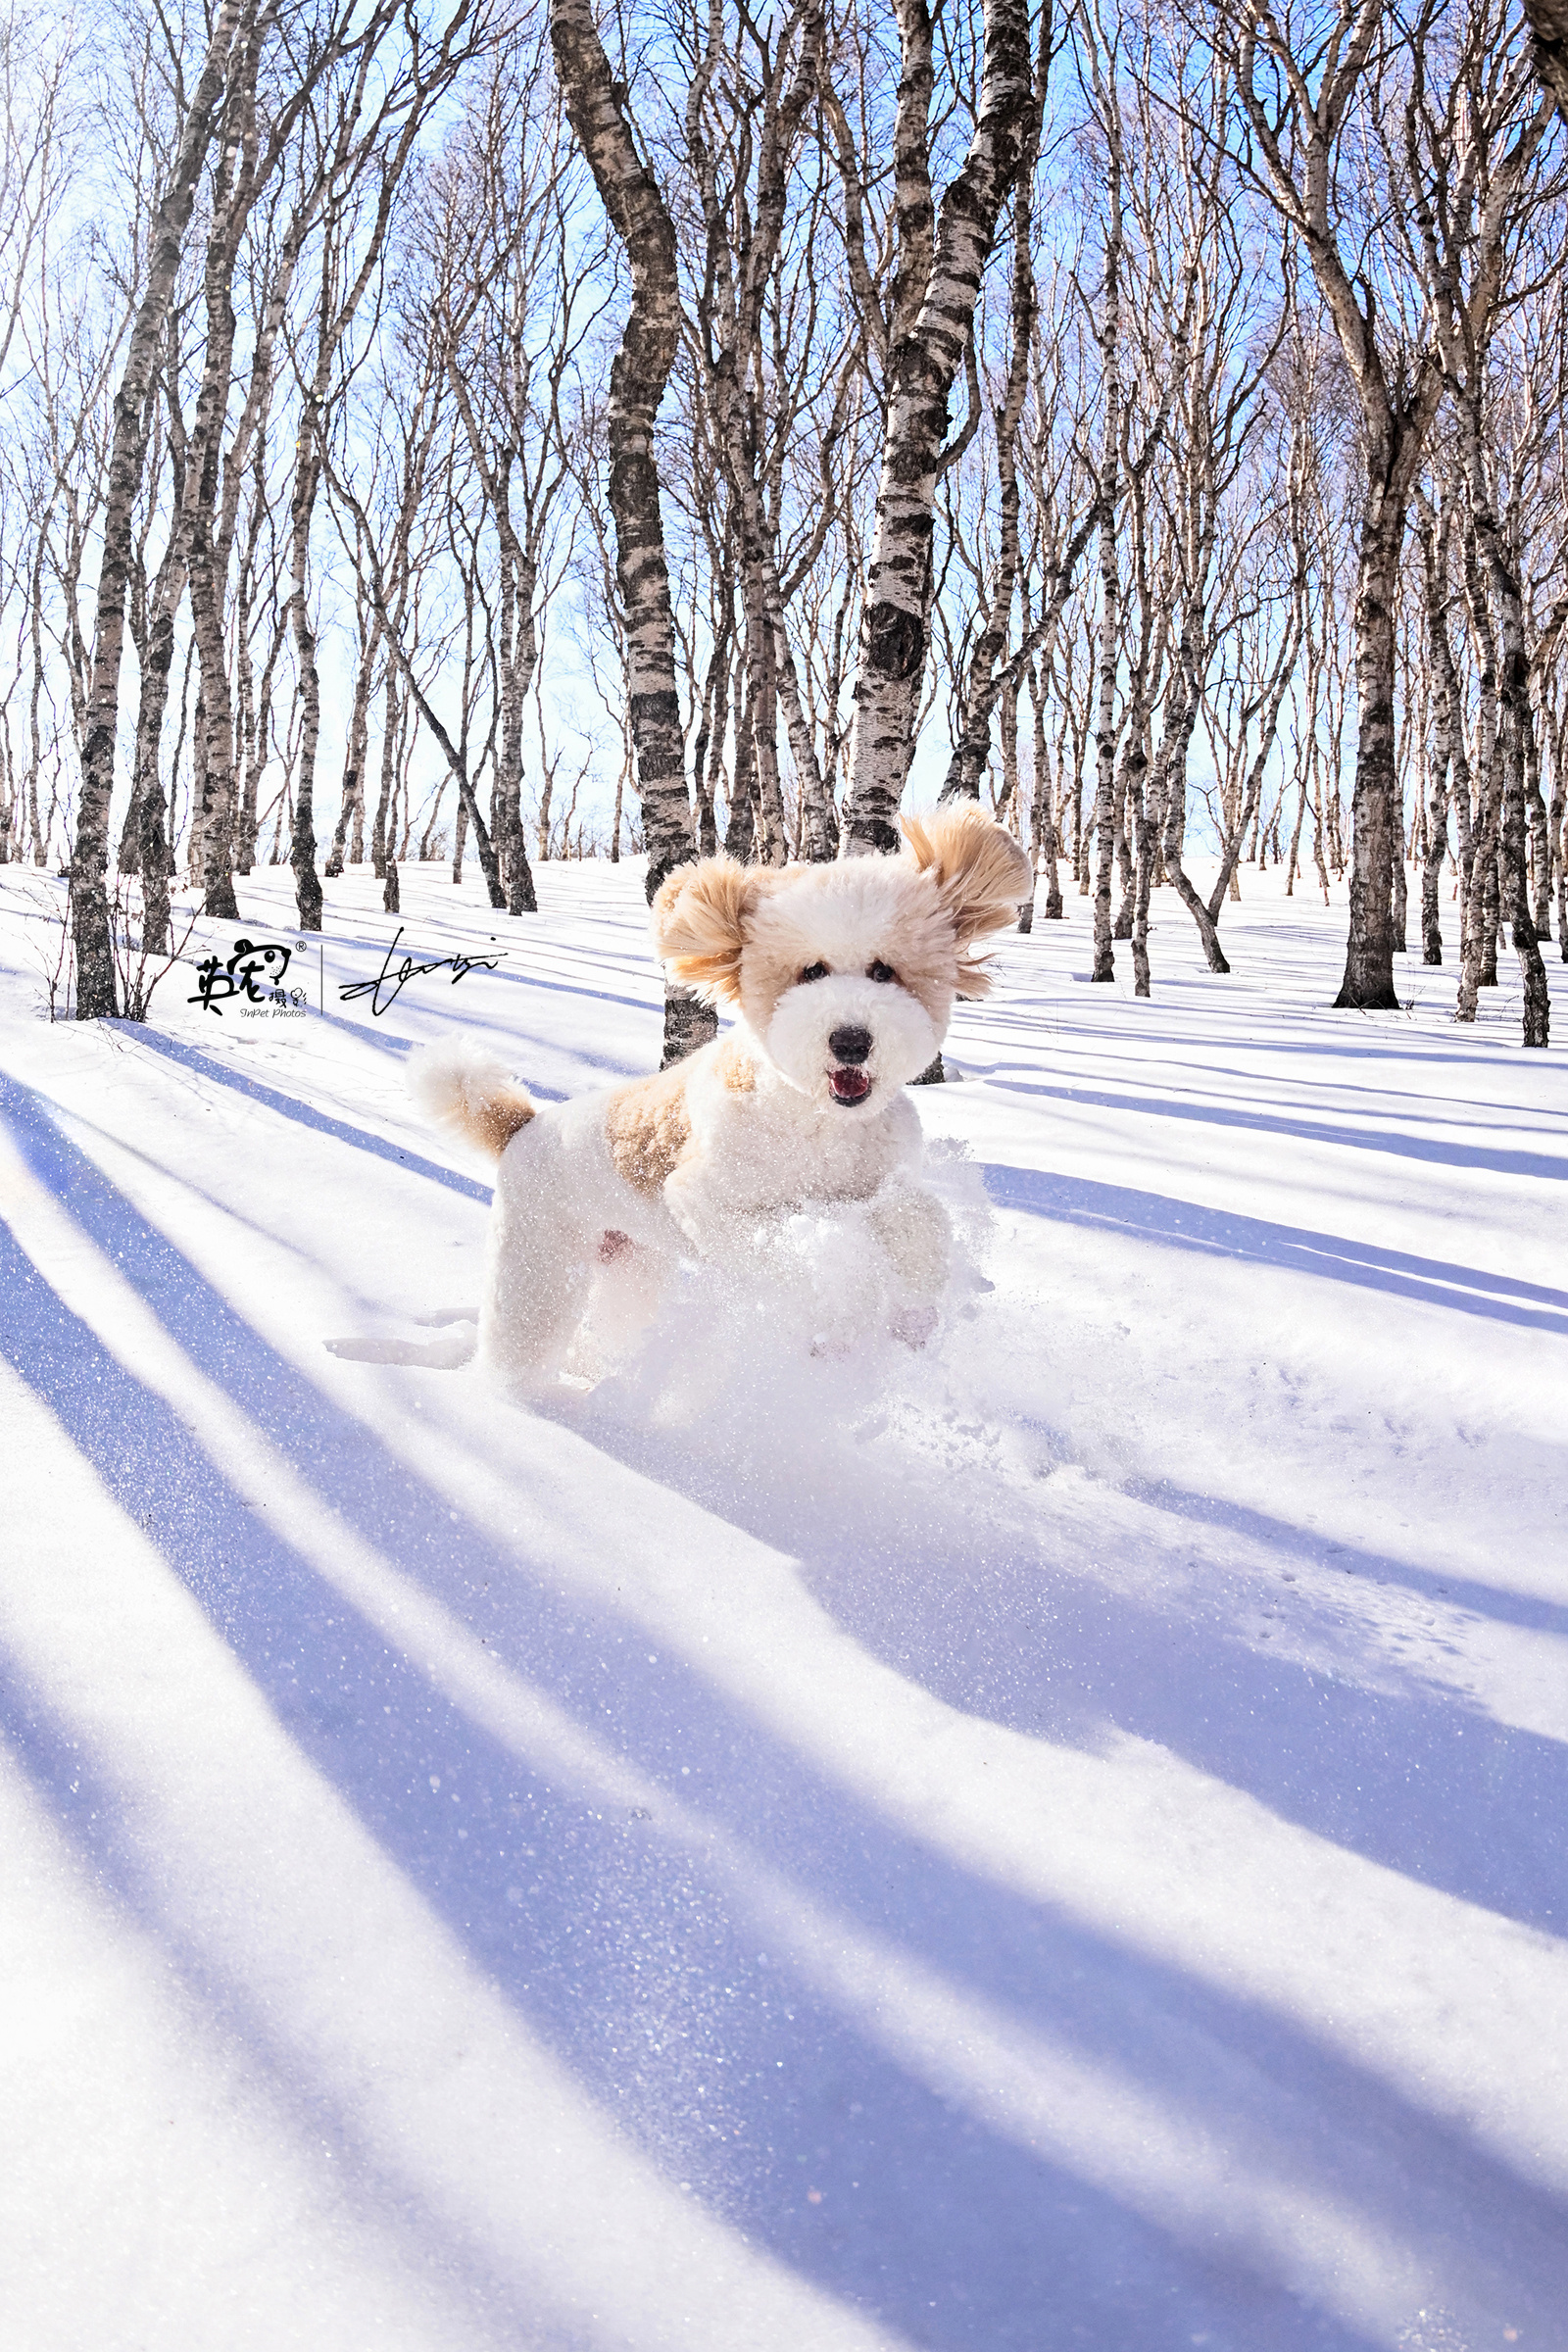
(851, 1045)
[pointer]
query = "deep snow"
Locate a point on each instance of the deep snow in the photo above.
(1055, 1841)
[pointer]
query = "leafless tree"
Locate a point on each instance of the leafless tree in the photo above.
(1311, 90)
(95, 969)
(596, 104)
(942, 252)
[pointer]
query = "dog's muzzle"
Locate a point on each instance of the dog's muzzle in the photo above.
(851, 1046)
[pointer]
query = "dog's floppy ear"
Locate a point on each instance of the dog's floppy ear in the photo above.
(980, 870)
(699, 921)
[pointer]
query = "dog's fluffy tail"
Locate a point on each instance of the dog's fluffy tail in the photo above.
(467, 1091)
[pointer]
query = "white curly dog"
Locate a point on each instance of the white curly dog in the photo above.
(843, 977)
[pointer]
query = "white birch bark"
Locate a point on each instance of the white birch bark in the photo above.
(1470, 189)
(972, 749)
(1397, 406)
(941, 259)
(1108, 640)
(596, 106)
(1446, 739)
(95, 964)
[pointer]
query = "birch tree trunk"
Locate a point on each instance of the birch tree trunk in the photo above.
(596, 108)
(90, 903)
(941, 259)
(144, 843)
(1477, 964)
(352, 806)
(1516, 755)
(1110, 640)
(520, 658)
(353, 152)
(1046, 830)
(1446, 751)
(741, 256)
(1556, 821)
(1397, 404)
(973, 747)
(1513, 731)
(236, 184)
(1540, 837)
(1482, 188)
(819, 818)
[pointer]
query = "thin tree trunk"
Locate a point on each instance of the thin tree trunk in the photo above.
(1526, 945)
(94, 951)
(1105, 965)
(972, 749)
(1559, 816)
(521, 658)
(1181, 719)
(352, 806)
(1047, 799)
(1368, 982)
(595, 102)
(157, 652)
(389, 769)
(941, 262)
(709, 735)
(1478, 936)
(740, 817)
(1445, 735)
(1145, 836)
(517, 655)
(1541, 836)
(146, 812)
(1298, 144)
(302, 847)
(820, 819)
(772, 847)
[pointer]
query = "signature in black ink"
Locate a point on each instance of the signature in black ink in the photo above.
(382, 990)
(252, 971)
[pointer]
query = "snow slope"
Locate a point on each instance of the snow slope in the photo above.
(1057, 1841)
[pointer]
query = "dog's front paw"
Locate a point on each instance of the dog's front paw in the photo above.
(915, 1323)
(913, 1228)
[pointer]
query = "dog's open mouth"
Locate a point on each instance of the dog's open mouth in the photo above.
(849, 1085)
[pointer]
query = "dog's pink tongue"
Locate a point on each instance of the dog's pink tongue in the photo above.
(850, 1086)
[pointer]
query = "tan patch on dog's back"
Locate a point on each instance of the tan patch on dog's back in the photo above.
(735, 1068)
(647, 1129)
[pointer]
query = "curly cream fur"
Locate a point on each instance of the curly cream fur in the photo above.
(699, 922)
(981, 875)
(844, 978)
(469, 1092)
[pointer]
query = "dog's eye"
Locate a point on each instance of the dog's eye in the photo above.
(815, 971)
(880, 971)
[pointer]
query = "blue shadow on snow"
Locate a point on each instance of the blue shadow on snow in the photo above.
(959, 2233)
(1223, 1233)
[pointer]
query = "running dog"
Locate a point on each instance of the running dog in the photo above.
(843, 979)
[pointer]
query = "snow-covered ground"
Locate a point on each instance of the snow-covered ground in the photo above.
(1057, 1841)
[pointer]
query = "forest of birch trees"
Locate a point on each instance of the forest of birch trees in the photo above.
(467, 431)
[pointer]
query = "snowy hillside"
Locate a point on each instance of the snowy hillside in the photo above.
(1058, 1840)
